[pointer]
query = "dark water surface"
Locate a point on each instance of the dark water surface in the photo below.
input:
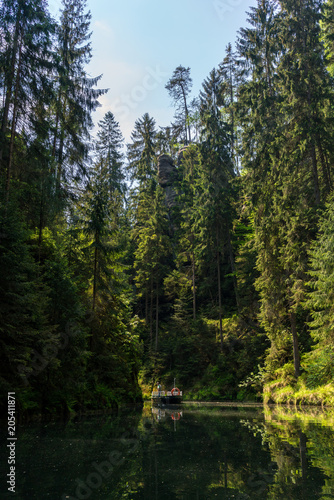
(199, 451)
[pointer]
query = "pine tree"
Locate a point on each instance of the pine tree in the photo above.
(258, 114)
(152, 254)
(28, 338)
(289, 86)
(179, 87)
(141, 152)
(27, 61)
(188, 239)
(109, 153)
(328, 33)
(230, 78)
(320, 299)
(97, 227)
(320, 302)
(76, 97)
(215, 204)
(305, 87)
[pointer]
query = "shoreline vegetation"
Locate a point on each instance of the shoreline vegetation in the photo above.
(201, 251)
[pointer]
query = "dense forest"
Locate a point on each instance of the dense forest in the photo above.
(202, 251)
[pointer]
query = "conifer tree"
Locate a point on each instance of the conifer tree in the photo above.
(141, 151)
(179, 87)
(109, 153)
(28, 339)
(305, 87)
(320, 299)
(188, 239)
(27, 61)
(217, 173)
(289, 86)
(230, 79)
(76, 97)
(320, 302)
(151, 256)
(328, 33)
(258, 114)
(144, 210)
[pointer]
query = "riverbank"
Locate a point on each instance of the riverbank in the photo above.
(297, 393)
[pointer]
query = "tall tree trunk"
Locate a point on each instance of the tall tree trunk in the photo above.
(315, 175)
(146, 306)
(193, 270)
(9, 86)
(54, 146)
(232, 118)
(219, 294)
(324, 166)
(156, 317)
(41, 223)
(60, 161)
(95, 271)
(296, 356)
(13, 128)
(232, 263)
(186, 114)
(151, 310)
(91, 340)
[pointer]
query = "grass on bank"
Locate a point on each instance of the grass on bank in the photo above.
(286, 389)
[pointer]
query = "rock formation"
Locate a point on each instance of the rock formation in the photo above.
(167, 173)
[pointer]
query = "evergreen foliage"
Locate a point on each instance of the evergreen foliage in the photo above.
(113, 271)
(179, 87)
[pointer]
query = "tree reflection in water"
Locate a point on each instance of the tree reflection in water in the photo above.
(194, 452)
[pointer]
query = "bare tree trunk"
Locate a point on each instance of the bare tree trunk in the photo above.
(156, 317)
(13, 128)
(324, 166)
(232, 118)
(95, 272)
(232, 263)
(296, 356)
(41, 223)
(186, 113)
(219, 294)
(193, 284)
(54, 146)
(151, 310)
(146, 306)
(60, 162)
(315, 175)
(9, 85)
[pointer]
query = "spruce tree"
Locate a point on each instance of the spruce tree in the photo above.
(27, 62)
(76, 97)
(179, 87)
(327, 26)
(217, 174)
(153, 249)
(320, 302)
(230, 78)
(109, 153)
(141, 151)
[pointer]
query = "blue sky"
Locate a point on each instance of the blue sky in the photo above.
(137, 44)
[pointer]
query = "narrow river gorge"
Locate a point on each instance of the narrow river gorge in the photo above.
(194, 451)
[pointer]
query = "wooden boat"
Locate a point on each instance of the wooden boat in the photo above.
(173, 397)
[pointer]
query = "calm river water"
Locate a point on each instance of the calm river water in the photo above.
(199, 451)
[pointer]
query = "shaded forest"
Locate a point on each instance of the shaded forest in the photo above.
(203, 250)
